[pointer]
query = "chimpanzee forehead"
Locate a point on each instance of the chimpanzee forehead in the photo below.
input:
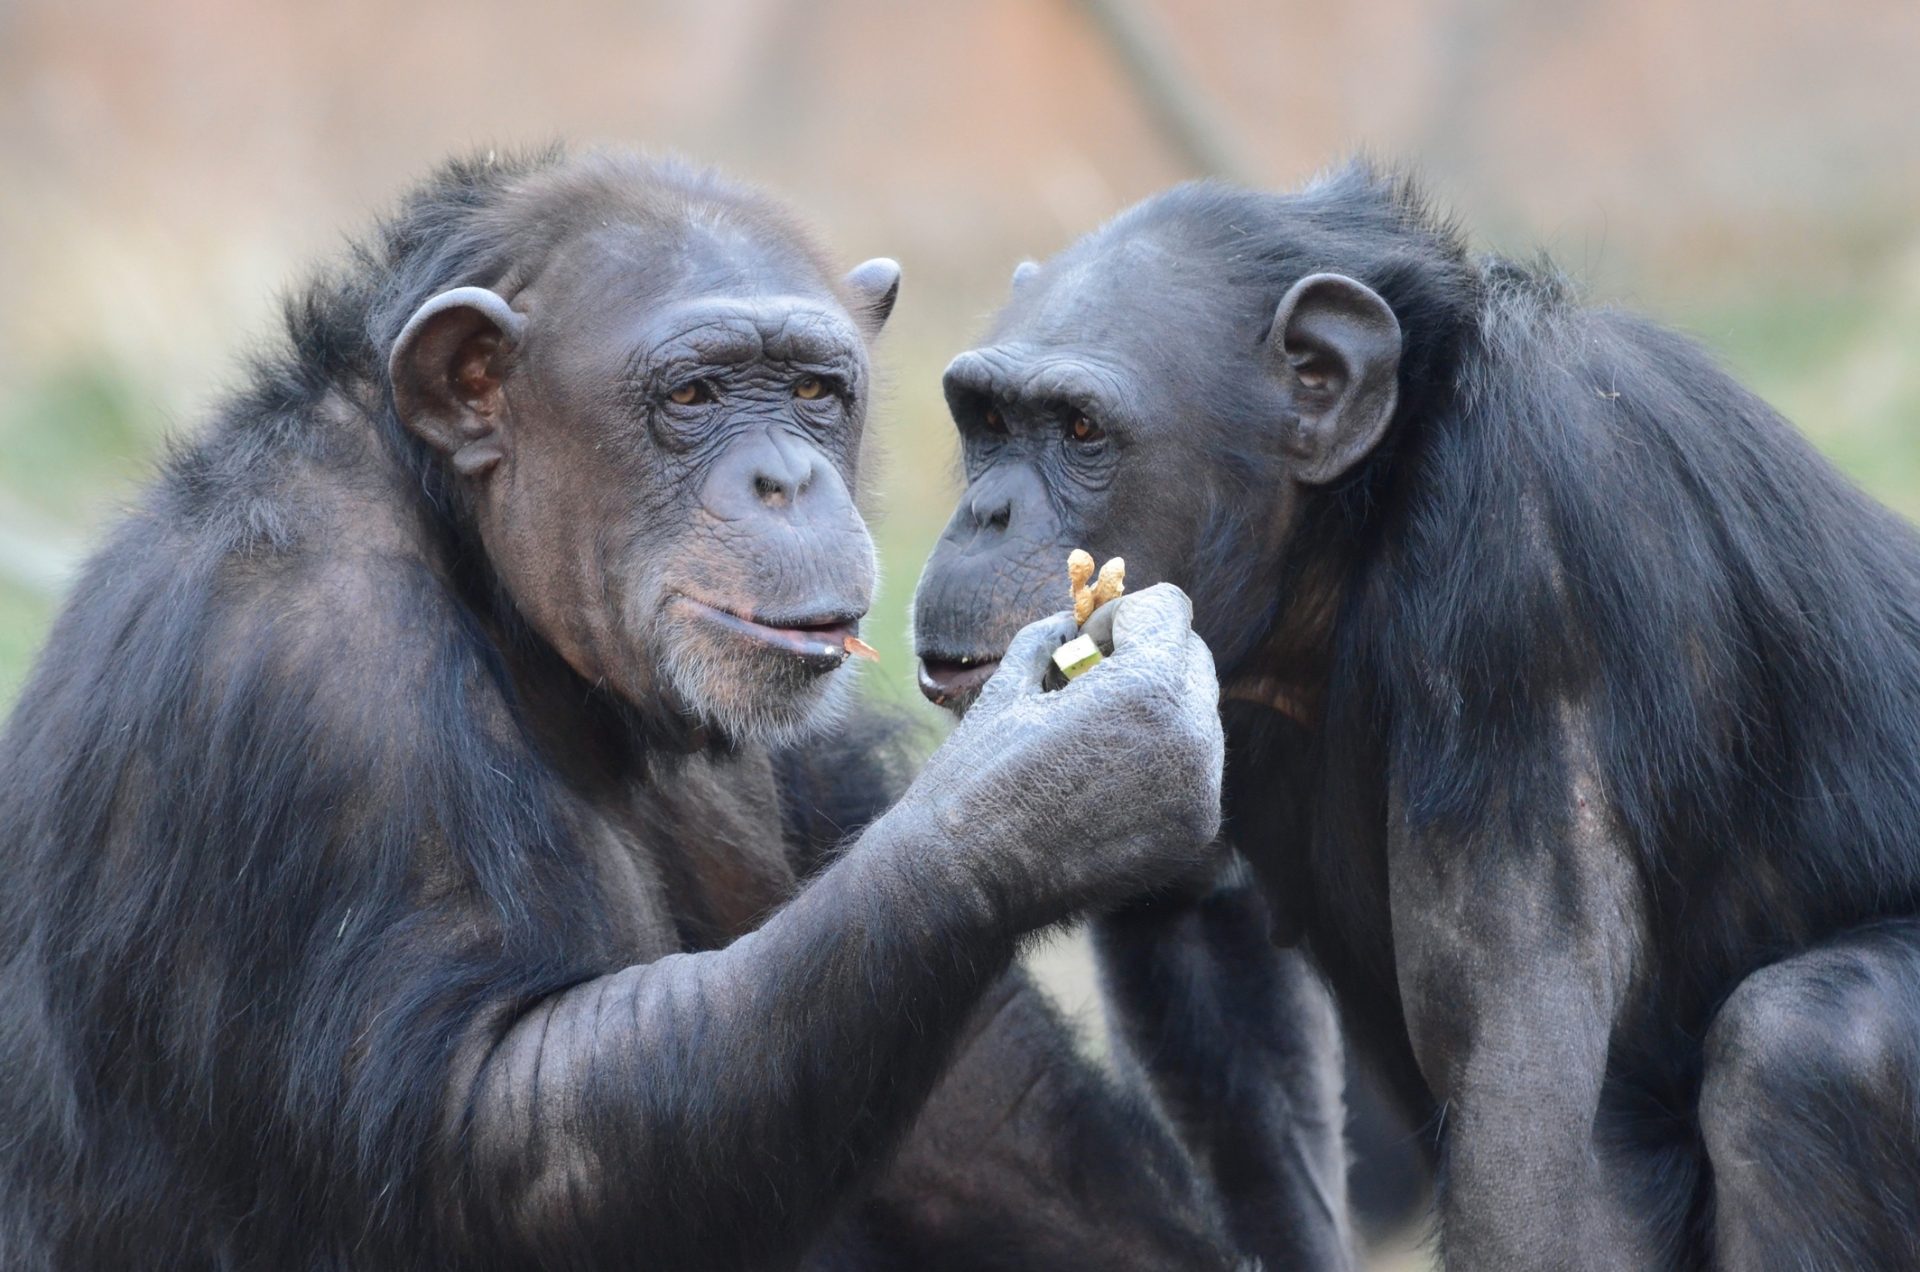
(1135, 295)
(1135, 318)
(649, 263)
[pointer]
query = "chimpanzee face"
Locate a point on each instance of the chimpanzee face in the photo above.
(1135, 400)
(660, 435)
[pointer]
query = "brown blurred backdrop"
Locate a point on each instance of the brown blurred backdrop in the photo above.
(1748, 171)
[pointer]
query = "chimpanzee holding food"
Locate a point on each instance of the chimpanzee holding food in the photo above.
(1573, 712)
(423, 831)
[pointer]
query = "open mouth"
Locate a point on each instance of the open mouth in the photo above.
(818, 640)
(945, 678)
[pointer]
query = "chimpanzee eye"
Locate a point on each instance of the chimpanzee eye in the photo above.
(1082, 429)
(810, 387)
(692, 393)
(993, 420)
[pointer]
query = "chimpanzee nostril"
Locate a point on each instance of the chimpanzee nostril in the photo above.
(767, 473)
(991, 510)
(784, 479)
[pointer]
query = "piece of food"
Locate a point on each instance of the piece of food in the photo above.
(1111, 583)
(1077, 657)
(860, 649)
(1079, 570)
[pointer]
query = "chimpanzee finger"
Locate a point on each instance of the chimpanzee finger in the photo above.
(1099, 625)
(1202, 681)
(1160, 615)
(1027, 658)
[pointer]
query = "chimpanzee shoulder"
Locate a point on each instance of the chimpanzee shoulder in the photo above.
(1668, 549)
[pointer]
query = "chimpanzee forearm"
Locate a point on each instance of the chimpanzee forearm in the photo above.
(711, 1108)
(1239, 1040)
(1523, 1138)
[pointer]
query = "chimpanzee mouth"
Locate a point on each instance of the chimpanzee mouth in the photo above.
(819, 641)
(945, 679)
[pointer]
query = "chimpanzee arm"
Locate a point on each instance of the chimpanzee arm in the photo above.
(711, 1108)
(1026, 1154)
(1240, 1041)
(375, 992)
(1516, 945)
(1235, 1033)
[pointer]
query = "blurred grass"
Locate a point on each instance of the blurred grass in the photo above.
(1843, 368)
(1839, 354)
(77, 433)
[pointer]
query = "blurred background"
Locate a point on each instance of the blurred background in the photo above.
(1749, 172)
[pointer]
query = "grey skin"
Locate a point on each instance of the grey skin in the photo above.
(707, 572)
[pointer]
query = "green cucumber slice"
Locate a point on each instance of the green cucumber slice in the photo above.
(1077, 657)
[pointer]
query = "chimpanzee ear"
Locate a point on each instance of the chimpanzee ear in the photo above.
(1335, 347)
(447, 368)
(875, 285)
(1023, 273)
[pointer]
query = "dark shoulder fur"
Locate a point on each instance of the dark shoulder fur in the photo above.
(267, 773)
(1592, 516)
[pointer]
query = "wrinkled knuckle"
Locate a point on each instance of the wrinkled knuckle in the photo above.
(1186, 819)
(1202, 822)
(1169, 709)
(1201, 773)
(1200, 750)
(1200, 665)
(1149, 712)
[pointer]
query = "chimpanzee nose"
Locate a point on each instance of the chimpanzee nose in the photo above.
(991, 512)
(783, 471)
(989, 504)
(768, 473)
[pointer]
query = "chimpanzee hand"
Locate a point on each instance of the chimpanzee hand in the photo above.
(1061, 800)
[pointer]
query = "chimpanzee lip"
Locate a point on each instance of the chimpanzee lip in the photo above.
(946, 677)
(819, 640)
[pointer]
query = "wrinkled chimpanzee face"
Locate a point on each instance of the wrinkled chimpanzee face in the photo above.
(1136, 399)
(659, 436)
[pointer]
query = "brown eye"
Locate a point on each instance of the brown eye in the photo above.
(810, 388)
(994, 421)
(692, 393)
(1082, 429)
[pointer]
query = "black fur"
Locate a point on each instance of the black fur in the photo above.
(1585, 709)
(281, 829)
(1576, 503)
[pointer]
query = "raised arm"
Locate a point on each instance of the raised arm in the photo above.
(712, 1108)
